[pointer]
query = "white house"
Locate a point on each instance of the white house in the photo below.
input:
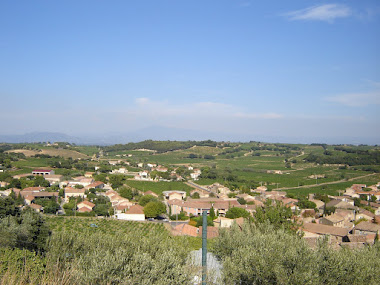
(171, 195)
(73, 192)
(135, 213)
(195, 175)
(42, 172)
(143, 175)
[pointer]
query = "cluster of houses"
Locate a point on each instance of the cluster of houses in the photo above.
(347, 224)
(76, 187)
(145, 175)
(146, 169)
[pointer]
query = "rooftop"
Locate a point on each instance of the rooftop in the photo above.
(325, 230)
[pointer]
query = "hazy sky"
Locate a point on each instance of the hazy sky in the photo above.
(269, 68)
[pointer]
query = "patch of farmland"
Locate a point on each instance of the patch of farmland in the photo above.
(66, 153)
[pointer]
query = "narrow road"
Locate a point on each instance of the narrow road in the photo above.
(196, 186)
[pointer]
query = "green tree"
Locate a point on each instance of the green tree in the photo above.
(39, 180)
(324, 198)
(306, 204)
(117, 180)
(276, 214)
(102, 209)
(212, 213)
(8, 207)
(154, 209)
(15, 183)
(28, 231)
(101, 177)
(181, 216)
(262, 254)
(126, 192)
(242, 201)
(51, 207)
(146, 199)
(234, 213)
(20, 200)
(154, 174)
(199, 220)
(329, 210)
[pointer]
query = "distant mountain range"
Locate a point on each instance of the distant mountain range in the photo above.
(39, 137)
(164, 133)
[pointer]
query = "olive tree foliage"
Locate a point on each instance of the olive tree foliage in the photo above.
(8, 207)
(26, 231)
(104, 259)
(261, 254)
(235, 213)
(275, 213)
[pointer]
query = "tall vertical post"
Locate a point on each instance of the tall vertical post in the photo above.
(204, 247)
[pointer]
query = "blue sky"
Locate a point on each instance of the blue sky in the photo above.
(242, 68)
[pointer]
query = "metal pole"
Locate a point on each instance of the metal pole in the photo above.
(204, 248)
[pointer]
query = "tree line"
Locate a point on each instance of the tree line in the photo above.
(159, 146)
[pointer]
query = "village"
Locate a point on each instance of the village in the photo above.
(350, 219)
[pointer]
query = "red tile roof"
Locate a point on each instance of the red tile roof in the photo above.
(73, 190)
(121, 207)
(185, 229)
(367, 226)
(29, 197)
(35, 206)
(84, 210)
(325, 230)
(212, 232)
(135, 209)
(42, 170)
(111, 192)
(33, 189)
(87, 203)
(39, 194)
(95, 184)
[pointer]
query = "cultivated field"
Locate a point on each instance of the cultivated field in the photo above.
(65, 153)
(288, 167)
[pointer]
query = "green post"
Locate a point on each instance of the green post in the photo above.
(204, 248)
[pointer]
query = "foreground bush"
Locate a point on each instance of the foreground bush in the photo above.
(99, 258)
(265, 255)
(27, 230)
(103, 259)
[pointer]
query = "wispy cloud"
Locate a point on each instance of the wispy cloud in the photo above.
(356, 99)
(326, 13)
(142, 101)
